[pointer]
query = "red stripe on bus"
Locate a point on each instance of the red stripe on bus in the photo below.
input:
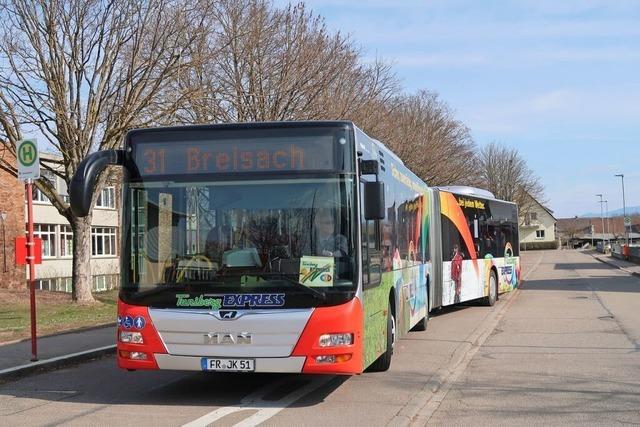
(344, 318)
(152, 343)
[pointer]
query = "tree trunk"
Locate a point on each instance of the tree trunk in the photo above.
(81, 274)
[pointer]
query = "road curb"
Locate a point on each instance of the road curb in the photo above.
(16, 372)
(604, 261)
(67, 332)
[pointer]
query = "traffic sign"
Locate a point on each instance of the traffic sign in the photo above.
(28, 159)
(627, 221)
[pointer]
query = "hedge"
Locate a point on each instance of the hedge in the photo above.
(536, 246)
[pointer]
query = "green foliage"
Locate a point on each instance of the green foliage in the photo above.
(536, 246)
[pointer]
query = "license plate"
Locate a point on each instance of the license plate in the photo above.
(228, 365)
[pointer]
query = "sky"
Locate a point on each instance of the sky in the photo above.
(558, 80)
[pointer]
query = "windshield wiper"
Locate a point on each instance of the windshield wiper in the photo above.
(282, 276)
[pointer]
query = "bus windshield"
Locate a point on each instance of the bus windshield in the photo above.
(292, 239)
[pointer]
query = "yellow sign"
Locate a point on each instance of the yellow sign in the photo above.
(467, 203)
(406, 180)
(316, 271)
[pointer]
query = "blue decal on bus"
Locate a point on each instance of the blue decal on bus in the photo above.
(127, 322)
(139, 322)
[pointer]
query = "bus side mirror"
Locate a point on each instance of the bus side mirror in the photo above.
(84, 179)
(374, 200)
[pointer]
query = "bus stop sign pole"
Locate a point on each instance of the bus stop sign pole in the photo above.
(28, 170)
(31, 257)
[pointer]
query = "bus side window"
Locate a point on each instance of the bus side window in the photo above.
(365, 254)
(375, 254)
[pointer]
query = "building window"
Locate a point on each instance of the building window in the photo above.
(66, 241)
(530, 217)
(540, 234)
(64, 284)
(55, 284)
(47, 232)
(103, 241)
(102, 283)
(63, 191)
(107, 198)
(39, 196)
(45, 284)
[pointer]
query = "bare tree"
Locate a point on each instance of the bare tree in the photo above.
(81, 73)
(436, 146)
(278, 64)
(506, 174)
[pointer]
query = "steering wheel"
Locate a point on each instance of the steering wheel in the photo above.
(191, 264)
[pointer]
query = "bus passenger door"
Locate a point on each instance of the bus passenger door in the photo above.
(375, 299)
(435, 236)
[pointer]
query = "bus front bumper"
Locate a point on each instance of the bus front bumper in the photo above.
(262, 364)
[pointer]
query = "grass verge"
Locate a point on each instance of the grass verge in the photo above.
(55, 313)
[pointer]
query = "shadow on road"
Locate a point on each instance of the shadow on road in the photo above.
(102, 382)
(600, 284)
(582, 266)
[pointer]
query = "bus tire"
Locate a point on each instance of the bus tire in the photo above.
(421, 325)
(383, 362)
(491, 299)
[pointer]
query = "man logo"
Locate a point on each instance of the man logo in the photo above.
(228, 314)
(226, 338)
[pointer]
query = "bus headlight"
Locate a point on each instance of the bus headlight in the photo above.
(133, 355)
(333, 340)
(131, 337)
(333, 358)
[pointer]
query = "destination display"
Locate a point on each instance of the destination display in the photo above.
(233, 156)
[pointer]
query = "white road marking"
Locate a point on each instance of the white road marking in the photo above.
(255, 401)
(267, 412)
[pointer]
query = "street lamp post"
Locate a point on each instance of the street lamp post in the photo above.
(624, 209)
(602, 220)
(606, 207)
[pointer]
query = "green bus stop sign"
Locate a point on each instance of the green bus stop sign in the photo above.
(28, 159)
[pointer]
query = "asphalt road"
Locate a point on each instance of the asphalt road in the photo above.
(562, 350)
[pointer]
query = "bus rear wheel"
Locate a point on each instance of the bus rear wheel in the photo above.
(383, 362)
(491, 299)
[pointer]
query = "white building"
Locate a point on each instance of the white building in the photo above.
(537, 227)
(57, 240)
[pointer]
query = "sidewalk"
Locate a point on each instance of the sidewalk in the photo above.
(56, 350)
(621, 264)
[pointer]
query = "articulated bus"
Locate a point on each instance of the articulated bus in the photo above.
(288, 247)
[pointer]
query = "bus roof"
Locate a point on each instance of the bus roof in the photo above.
(464, 190)
(248, 125)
